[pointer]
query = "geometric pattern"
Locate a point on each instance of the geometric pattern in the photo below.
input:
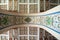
(27, 19)
(52, 21)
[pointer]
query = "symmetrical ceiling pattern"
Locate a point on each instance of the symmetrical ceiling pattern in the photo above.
(49, 20)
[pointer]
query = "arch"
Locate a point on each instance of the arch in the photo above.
(55, 34)
(29, 23)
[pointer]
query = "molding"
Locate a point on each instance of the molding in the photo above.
(51, 21)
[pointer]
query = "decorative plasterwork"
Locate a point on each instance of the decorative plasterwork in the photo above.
(51, 21)
(27, 19)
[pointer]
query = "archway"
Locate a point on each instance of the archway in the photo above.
(29, 32)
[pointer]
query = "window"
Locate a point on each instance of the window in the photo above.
(48, 4)
(3, 7)
(23, 8)
(23, 30)
(28, 33)
(10, 5)
(3, 1)
(59, 1)
(54, 1)
(33, 1)
(4, 4)
(58, 25)
(33, 8)
(32, 31)
(23, 38)
(44, 5)
(32, 38)
(28, 6)
(51, 6)
(13, 34)
(23, 1)
(41, 5)
(4, 36)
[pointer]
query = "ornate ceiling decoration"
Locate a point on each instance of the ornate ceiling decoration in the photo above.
(50, 20)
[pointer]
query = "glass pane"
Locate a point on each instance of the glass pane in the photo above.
(0, 37)
(23, 1)
(47, 5)
(33, 9)
(41, 33)
(32, 38)
(23, 30)
(3, 1)
(59, 19)
(15, 5)
(58, 25)
(15, 32)
(23, 38)
(42, 6)
(33, 1)
(33, 31)
(6, 33)
(23, 9)
(3, 7)
(54, 1)
(10, 34)
(4, 38)
(59, 1)
(10, 5)
(0, 1)
(51, 6)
